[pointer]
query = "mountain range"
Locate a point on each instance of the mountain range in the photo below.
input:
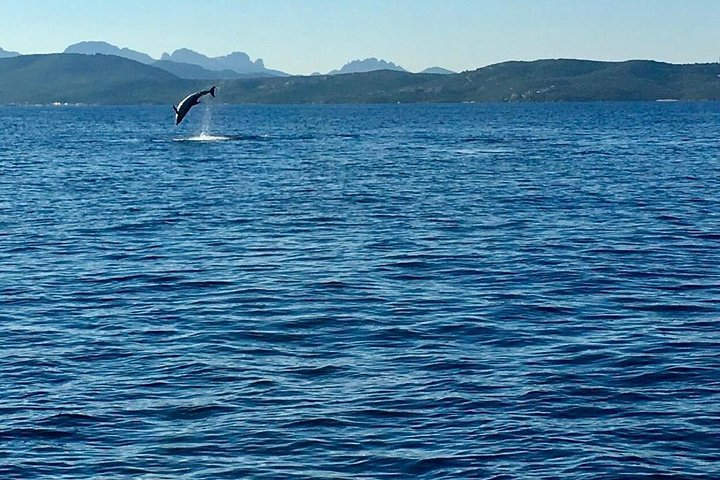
(189, 64)
(104, 48)
(185, 63)
(372, 64)
(237, 62)
(367, 65)
(7, 54)
(110, 79)
(438, 71)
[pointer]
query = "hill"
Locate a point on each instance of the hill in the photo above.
(438, 71)
(539, 81)
(183, 62)
(104, 48)
(76, 78)
(367, 65)
(7, 54)
(108, 79)
(383, 86)
(196, 72)
(237, 61)
(584, 80)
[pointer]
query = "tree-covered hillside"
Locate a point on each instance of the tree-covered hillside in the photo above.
(107, 79)
(75, 78)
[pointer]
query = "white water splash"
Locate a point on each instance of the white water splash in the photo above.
(204, 137)
(207, 121)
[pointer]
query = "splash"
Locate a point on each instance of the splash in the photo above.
(204, 137)
(206, 122)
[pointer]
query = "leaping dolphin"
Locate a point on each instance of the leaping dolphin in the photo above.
(189, 102)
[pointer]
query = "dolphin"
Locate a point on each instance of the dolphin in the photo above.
(189, 102)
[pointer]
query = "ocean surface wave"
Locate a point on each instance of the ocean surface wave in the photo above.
(402, 291)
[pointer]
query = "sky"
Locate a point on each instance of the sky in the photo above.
(306, 36)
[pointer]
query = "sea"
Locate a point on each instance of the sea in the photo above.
(466, 291)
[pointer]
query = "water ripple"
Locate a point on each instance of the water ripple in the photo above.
(445, 291)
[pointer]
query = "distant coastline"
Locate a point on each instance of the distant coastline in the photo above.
(110, 79)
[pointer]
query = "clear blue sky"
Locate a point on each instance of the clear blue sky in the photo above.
(304, 36)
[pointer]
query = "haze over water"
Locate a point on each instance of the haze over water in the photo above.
(398, 291)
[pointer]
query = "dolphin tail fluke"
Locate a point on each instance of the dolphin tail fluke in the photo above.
(212, 90)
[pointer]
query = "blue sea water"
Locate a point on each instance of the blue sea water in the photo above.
(365, 292)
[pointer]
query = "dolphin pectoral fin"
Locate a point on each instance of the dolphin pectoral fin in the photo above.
(175, 110)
